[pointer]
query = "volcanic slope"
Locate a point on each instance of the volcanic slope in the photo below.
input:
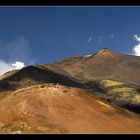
(120, 72)
(54, 108)
(73, 71)
(105, 64)
(32, 75)
(85, 72)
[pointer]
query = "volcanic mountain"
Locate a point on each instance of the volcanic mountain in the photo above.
(105, 64)
(111, 67)
(81, 94)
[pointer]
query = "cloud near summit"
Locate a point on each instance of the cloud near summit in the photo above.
(136, 48)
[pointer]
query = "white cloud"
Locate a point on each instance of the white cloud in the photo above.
(5, 66)
(18, 65)
(137, 38)
(136, 49)
(90, 39)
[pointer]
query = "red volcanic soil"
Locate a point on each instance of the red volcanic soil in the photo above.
(53, 108)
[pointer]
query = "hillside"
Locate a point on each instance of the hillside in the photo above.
(81, 94)
(32, 75)
(53, 108)
(105, 64)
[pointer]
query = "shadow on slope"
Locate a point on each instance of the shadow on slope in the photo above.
(119, 93)
(32, 75)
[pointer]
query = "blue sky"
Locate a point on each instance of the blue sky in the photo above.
(47, 34)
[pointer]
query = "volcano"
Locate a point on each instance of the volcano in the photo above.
(94, 93)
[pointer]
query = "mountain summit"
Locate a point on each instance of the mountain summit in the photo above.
(104, 50)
